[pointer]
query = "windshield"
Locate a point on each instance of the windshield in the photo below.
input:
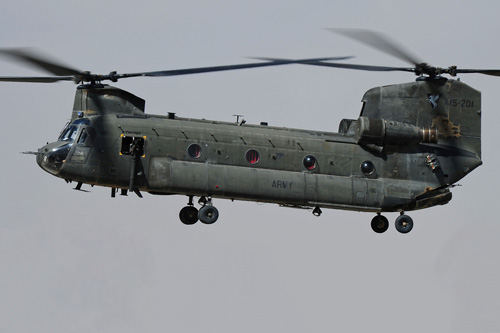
(71, 130)
(69, 133)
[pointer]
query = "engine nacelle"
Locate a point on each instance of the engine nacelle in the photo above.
(378, 133)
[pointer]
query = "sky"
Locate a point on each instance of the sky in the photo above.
(73, 261)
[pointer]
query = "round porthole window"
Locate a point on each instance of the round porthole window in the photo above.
(252, 156)
(194, 150)
(310, 162)
(367, 168)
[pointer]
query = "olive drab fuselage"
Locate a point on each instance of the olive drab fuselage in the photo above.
(409, 145)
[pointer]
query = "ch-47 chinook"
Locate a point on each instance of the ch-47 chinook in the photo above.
(411, 143)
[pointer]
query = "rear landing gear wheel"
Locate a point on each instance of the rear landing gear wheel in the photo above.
(380, 224)
(189, 215)
(208, 214)
(317, 212)
(404, 224)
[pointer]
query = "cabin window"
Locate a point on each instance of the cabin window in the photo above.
(367, 168)
(310, 162)
(252, 156)
(194, 150)
(132, 145)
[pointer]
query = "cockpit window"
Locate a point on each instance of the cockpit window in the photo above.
(71, 130)
(83, 136)
(69, 133)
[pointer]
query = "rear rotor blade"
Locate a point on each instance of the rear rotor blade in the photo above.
(318, 62)
(433, 71)
(363, 67)
(380, 42)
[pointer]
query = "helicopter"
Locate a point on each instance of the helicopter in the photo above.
(410, 144)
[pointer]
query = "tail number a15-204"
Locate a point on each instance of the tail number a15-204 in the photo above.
(462, 103)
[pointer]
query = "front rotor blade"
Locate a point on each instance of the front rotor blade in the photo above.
(187, 71)
(301, 61)
(380, 42)
(492, 72)
(36, 79)
(35, 59)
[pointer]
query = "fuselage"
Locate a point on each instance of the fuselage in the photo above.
(291, 167)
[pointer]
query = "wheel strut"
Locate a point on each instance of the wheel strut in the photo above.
(207, 214)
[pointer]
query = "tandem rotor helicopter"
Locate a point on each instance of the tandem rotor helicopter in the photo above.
(410, 144)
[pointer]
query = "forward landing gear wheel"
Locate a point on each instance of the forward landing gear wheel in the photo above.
(404, 224)
(189, 215)
(208, 214)
(380, 224)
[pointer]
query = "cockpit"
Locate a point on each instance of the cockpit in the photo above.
(52, 156)
(70, 132)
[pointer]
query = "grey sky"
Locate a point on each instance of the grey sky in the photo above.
(83, 262)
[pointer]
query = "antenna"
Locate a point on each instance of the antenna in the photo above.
(238, 117)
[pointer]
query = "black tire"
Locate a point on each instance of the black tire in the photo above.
(208, 214)
(380, 224)
(404, 224)
(188, 215)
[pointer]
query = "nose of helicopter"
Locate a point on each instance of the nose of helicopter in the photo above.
(52, 156)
